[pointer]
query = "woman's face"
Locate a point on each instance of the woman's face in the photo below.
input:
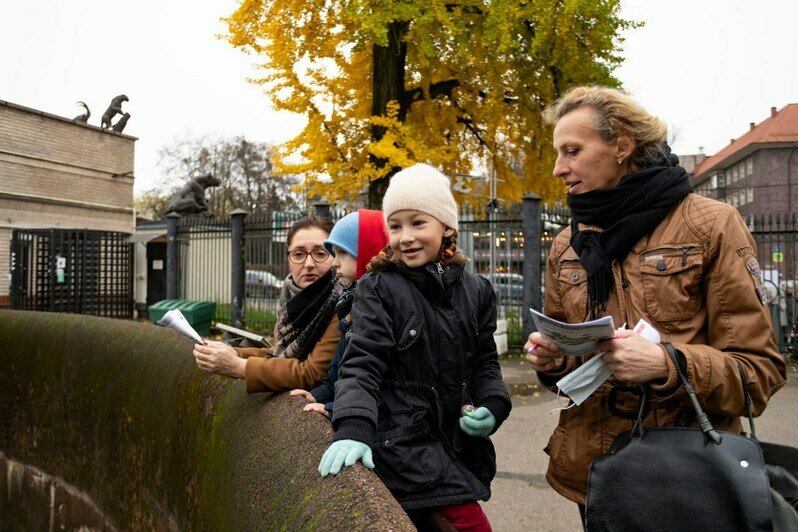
(585, 161)
(310, 241)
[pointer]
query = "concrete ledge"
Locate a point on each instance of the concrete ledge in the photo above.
(118, 412)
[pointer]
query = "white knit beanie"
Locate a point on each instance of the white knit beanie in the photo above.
(421, 188)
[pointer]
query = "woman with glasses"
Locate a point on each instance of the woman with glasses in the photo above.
(306, 333)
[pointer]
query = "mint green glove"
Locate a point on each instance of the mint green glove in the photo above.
(345, 453)
(478, 423)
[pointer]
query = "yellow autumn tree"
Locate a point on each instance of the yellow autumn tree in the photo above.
(386, 83)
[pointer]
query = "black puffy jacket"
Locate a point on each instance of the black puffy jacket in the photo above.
(421, 346)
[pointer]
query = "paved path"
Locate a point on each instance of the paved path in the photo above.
(523, 501)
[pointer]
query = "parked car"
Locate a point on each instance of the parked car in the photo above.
(509, 287)
(263, 284)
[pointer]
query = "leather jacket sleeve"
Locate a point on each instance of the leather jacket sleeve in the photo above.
(739, 328)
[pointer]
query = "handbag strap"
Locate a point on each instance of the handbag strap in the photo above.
(748, 404)
(703, 421)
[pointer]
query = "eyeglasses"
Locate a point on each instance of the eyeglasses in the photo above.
(299, 256)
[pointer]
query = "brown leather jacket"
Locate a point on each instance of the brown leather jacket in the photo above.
(275, 374)
(695, 279)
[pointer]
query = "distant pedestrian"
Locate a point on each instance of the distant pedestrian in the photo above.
(421, 351)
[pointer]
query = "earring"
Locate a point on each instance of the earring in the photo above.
(620, 161)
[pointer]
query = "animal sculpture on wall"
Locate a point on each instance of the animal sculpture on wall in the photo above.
(121, 123)
(114, 109)
(85, 116)
(191, 198)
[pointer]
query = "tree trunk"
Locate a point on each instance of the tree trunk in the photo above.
(388, 83)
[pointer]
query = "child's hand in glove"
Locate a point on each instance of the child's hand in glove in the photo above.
(345, 453)
(478, 422)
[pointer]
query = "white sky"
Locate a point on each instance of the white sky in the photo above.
(707, 67)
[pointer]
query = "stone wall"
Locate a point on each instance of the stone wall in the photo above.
(119, 414)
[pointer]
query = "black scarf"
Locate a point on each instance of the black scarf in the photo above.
(345, 299)
(626, 213)
(304, 315)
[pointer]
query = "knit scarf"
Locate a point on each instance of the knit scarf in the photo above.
(304, 315)
(626, 213)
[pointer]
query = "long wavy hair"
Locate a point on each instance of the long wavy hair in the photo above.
(449, 254)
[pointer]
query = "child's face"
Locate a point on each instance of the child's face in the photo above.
(416, 237)
(345, 266)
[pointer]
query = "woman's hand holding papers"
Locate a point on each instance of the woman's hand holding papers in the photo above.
(542, 354)
(219, 358)
(634, 359)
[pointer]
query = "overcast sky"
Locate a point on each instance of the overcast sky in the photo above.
(707, 67)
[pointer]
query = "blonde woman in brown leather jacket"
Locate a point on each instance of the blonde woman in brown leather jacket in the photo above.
(642, 245)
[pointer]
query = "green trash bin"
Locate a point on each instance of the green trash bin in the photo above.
(198, 313)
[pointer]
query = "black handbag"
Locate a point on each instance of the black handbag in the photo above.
(682, 479)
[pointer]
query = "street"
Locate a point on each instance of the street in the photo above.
(522, 499)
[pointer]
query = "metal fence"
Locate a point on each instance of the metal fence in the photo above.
(777, 251)
(493, 240)
(205, 257)
(77, 271)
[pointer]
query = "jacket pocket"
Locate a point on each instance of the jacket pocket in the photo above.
(479, 456)
(409, 459)
(410, 332)
(572, 286)
(672, 281)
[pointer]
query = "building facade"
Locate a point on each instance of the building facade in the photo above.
(59, 174)
(758, 172)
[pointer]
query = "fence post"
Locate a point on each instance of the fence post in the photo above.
(530, 222)
(238, 267)
(171, 255)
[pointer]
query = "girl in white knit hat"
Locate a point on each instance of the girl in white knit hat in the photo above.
(420, 388)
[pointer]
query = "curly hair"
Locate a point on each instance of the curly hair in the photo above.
(385, 259)
(617, 113)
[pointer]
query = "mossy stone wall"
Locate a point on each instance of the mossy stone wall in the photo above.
(119, 411)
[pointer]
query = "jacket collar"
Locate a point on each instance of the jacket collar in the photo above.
(428, 279)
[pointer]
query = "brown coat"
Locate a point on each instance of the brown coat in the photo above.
(276, 374)
(692, 278)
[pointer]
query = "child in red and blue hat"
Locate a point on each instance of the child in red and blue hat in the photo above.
(354, 241)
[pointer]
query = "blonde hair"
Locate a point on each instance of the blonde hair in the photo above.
(617, 114)
(385, 259)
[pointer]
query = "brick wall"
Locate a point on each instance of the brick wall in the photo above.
(770, 179)
(774, 181)
(5, 266)
(44, 136)
(55, 173)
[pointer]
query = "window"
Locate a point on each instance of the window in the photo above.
(749, 166)
(721, 179)
(749, 192)
(713, 182)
